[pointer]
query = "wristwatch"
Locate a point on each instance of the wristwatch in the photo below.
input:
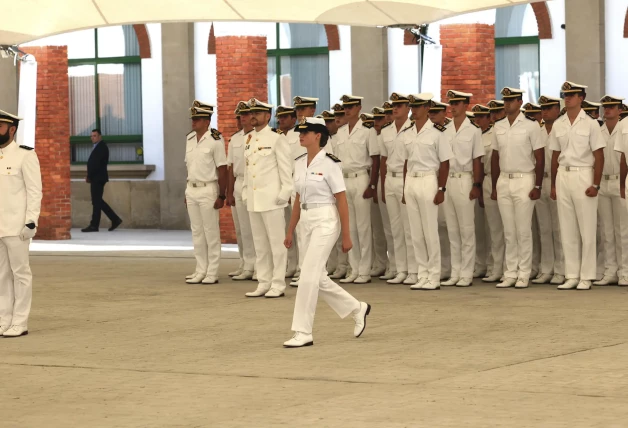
(477, 185)
(442, 189)
(538, 187)
(597, 186)
(223, 197)
(373, 187)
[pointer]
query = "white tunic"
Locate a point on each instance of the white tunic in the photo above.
(203, 157)
(426, 150)
(320, 181)
(516, 143)
(576, 143)
(355, 148)
(235, 152)
(392, 144)
(466, 145)
(611, 157)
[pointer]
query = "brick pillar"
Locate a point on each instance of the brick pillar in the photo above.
(241, 73)
(468, 60)
(52, 140)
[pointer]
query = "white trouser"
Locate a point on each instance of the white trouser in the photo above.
(495, 228)
(205, 225)
(240, 214)
(516, 208)
(481, 246)
(443, 237)
(551, 225)
(399, 225)
(423, 219)
(361, 255)
(459, 212)
(578, 222)
(614, 224)
(380, 259)
(543, 212)
(269, 233)
(321, 228)
(16, 281)
(338, 259)
(536, 244)
(390, 244)
(293, 252)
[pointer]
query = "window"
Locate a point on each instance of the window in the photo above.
(517, 51)
(106, 93)
(299, 65)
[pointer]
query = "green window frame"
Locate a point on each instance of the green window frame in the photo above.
(524, 40)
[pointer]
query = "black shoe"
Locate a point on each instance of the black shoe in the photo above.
(90, 229)
(115, 224)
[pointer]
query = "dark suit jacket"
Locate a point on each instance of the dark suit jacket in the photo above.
(97, 164)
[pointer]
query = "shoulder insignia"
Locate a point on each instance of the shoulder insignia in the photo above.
(216, 134)
(300, 156)
(409, 126)
(368, 125)
(191, 135)
(530, 118)
(387, 125)
(441, 128)
(332, 157)
(447, 121)
(278, 131)
(26, 148)
(488, 129)
(622, 118)
(601, 122)
(475, 124)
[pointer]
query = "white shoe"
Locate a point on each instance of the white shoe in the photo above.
(570, 284)
(388, 275)
(492, 278)
(362, 279)
(377, 272)
(607, 280)
(4, 328)
(584, 285)
(254, 278)
(235, 273)
(411, 279)
(543, 278)
(192, 275)
(349, 279)
(294, 283)
(16, 331)
(338, 274)
(244, 276)
(465, 282)
(431, 285)
(521, 283)
(419, 284)
(259, 292)
(623, 281)
(398, 279)
(299, 340)
(295, 279)
(209, 280)
(291, 273)
(273, 293)
(479, 273)
(534, 273)
(507, 283)
(557, 279)
(359, 316)
(197, 279)
(450, 282)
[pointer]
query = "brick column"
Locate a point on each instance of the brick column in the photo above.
(468, 60)
(241, 73)
(52, 140)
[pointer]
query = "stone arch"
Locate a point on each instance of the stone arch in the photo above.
(143, 40)
(543, 20)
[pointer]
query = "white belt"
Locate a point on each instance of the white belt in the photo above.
(421, 173)
(312, 206)
(516, 174)
(395, 174)
(355, 174)
(200, 183)
(575, 168)
(459, 174)
(611, 177)
(238, 175)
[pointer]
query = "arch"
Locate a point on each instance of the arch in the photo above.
(143, 40)
(543, 20)
(626, 25)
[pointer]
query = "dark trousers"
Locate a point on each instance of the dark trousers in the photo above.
(98, 204)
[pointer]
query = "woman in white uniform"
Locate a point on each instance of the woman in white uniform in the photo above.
(321, 206)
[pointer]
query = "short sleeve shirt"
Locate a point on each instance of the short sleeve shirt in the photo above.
(516, 143)
(466, 145)
(576, 142)
(202, 157)
(426, 149)
(320, 181)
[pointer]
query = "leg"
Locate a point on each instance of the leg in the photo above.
(107, 209)
(236, 224)
(496, 230)
(390, 245)
(586, 214)
(568, 224)
(481, 252)
(211, 229)
(429, 229)
(364, 230)
(507, 212)
(293, 253)
(536, 246)
(380, 260)
(544, 220)
(607, 229)
(198, 233)
(621, 233)
(396, 224)
(453, 229)
(264, 260)
(248, 247)
(413, 193)
(559, 256)
(523, 210)
(466, 221)
(96, 190)
(354, 254)
(274, 225)
(443, 238)
(411, 257)
(22, 278)
(7, 297)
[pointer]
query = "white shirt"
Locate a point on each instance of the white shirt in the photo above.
(516, 143)
(621, 144)
(392, 143)
(426, 149)
(294, 142)
(235, 152)
(203, 157)
(487, 142)
(20, 184)
(466, 144)
(355, 148)
(548, 152)
(576, 143)
(611, 157)
(320, 181)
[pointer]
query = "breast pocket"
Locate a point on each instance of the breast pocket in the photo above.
(563, 139)
(13, 176)
(207, 155)
(502, 138)
(188, 152)
(264, 152)
(462, 148)
(582, 137)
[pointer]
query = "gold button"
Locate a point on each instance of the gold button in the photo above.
(254, 188)
(253, 176)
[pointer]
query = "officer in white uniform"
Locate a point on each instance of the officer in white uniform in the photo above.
(621, 146)
(496, 108)
(466, 174)
(614, 222)
(577, 164)
(392, 141)
(266, 191)
(321, 207)
(552, 260)
(482, 258)
(206, 163)
(235, 163)
(426, 152)
(517, 165)
(20, 204)
(358, 150)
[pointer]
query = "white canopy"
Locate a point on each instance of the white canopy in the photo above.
(27, 20)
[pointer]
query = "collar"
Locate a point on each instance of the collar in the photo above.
(10, 147)
(425, 126)
(318, 158)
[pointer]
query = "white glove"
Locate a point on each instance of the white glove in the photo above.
(27, 233)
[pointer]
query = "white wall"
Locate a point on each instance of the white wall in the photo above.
(340, 67)
(616, 48)
(205, 86)
(153, 105)
(553, 64)
(403, 64)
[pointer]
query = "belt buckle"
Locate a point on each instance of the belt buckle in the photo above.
(194, 185)
(571, 168)
(304, 207)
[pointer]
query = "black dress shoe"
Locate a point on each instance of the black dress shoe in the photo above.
(115, 224)
(90, 229)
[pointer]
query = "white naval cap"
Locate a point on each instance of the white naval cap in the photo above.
(570, 88)
(417, 100)
(200, 113)
(314, 124)
(611, 100)
(257, 105)
(327, 115)
(591, 106)
(508, 93)
(480, 110)
(304, 101)
(458, 96)
(204, 106)
(544, 101)
(399, 98)
(531, 108)
(437, 106)
(367, 117)
(351, 100)
(495, 105)
(9, 118)
(283, 110)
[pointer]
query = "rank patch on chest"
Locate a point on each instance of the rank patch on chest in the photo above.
(316, 173)
(264, 148)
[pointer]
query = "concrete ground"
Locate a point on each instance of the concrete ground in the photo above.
(117, 339)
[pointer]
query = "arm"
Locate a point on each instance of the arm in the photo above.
(32, 183)
(382, 171)
(495, 171)
(555, 155)
(478, 176)
(222, 186)
(284, 166)
(230, 186)
(294, 220)
(623, 172)
(403, 190)
(598, 167)
(369, 193)
(343, 212)
(443, 174)
(539, 155)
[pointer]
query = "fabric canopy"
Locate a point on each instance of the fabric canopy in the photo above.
(27, 20)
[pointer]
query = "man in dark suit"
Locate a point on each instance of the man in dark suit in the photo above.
(97, 176)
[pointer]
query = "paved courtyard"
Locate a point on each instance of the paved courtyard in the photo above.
(119, 340)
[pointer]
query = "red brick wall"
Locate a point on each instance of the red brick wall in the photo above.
(241, 72)
(468, 60)
(52, 140)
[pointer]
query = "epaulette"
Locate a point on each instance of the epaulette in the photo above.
(499, 120)
(300, 156)
(475, 124)
(387, 125)
(332, 157)
(26, 148)
(409, 127)
(278, 131)
(216, 134)
(447, 121)
(601, 122)
(530, 118)
(590, 115)
(488, 129)
(542, 124)
(441, 128)
(190, 135)
(622, 118)
(368, 125)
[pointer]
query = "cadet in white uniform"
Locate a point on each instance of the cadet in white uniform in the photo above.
(392, 142)
(358, 150)
(321, 207)
(206, 163)
(235, 163)
(20, 204)
(517, 165)
(552, 260)
(266, 191)
(426, 168)
(611, 208)
(577, 164)
(466, 174)
(621, 146)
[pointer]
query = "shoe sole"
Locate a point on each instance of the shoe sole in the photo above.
(13, 337)
(209, 283)
(300, 346)
(241, 279)
(253, 297)
(275, 297)
(193, 283)
(368, 311)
